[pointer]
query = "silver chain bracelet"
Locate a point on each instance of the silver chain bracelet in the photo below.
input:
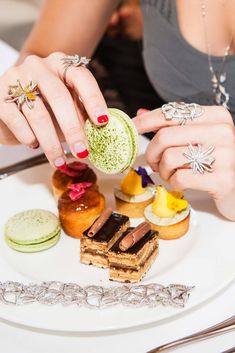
(92, 296)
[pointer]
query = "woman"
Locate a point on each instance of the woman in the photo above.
(187, 57)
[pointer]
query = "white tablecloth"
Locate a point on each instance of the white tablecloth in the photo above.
(16, 339)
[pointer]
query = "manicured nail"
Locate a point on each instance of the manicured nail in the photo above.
(143, 110)
(60, 163)
(35, 145)
(102, 119)
(80, 150)
(101, 115)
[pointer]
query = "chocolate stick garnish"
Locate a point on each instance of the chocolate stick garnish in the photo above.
(134, 236)
(100, 222)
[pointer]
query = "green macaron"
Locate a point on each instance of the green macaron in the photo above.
(113, 147)
(32, 230)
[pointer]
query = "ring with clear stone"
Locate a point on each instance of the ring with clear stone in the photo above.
(73, 60)
(182, 111)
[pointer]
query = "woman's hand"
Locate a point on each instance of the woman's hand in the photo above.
(165, 153)
(57, 112)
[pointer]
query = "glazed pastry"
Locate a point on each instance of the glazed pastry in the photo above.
(71, 173)
(169, 214)
(133, 254)
(101, 236)
(135, 194)
(79, 207)
(114, 146)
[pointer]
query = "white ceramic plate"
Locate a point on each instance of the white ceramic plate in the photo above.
(203, 258)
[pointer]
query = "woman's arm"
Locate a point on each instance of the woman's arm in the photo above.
(69, 26)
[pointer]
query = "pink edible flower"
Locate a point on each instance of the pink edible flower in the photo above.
(74, 169)
(78, 190)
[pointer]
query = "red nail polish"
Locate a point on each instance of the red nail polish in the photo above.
(62, 167)
(103, 119)
(83, 154)
(36, 146)
(143, 110)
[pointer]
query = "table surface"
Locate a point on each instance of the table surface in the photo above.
(17, 339)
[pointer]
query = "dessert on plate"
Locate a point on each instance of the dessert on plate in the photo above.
(133, 253)
(79, 207)
(135, 193)
(32, 231)
(169, 214)
(114, 146)
(72, 173)
(102, 234)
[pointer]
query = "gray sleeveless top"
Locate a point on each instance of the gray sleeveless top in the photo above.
(177, 70)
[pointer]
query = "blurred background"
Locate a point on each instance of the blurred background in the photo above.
(117, 63)
(16, 20)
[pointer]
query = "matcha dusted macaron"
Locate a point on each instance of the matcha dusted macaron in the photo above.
(113, 147)
(32, 231)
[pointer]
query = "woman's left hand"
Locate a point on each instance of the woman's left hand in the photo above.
(165, 153)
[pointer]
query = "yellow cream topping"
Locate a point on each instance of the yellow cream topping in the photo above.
(132, 184)
(167, 204)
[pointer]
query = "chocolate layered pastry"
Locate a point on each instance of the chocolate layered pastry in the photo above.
(98, 239)
(133, 253)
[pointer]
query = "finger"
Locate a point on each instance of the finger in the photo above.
(57, 95)
(84, 83)
(62, 105)
(41, 123)
(155, 119)
(184, 179)
(176, 136)
(142, 111)
(17, 124)
(171, 160)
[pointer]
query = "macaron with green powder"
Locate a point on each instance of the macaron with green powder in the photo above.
(32, 230)
(113, 147)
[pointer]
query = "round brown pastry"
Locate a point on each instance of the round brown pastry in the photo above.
(79, 207)
(71, 173)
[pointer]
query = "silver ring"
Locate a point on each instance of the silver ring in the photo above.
(200, 160)
(20, 95)
(73, 60)
(182, 111)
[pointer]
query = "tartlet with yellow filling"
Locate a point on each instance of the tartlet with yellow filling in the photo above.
(135, 193)
(169, 214)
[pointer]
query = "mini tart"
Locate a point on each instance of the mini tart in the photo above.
(60, 181)
(77, 216)
(133, 206)
(169, 227)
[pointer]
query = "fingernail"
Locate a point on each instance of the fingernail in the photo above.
(80, 150)
(60, 163)
(143, 110)
(101, 116)
(103, 119)
(35, 145)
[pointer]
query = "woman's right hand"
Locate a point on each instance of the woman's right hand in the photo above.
(59, 111)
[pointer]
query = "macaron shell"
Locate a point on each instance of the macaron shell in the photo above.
(113, 147)
(31, 248)
(133, 132)
(31, 227)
